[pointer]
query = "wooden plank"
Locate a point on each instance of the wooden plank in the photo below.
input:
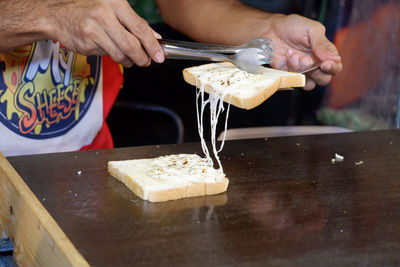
(37, 239)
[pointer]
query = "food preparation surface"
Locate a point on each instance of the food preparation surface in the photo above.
(286, 204)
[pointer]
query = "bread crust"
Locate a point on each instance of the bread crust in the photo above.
(193, 190)
(283, 79)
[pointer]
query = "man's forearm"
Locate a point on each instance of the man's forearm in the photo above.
(215, 21)
(21, 23)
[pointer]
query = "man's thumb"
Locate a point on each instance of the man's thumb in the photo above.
(321, 47)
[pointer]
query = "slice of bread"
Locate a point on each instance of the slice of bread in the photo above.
(244, 90)
(169, 177)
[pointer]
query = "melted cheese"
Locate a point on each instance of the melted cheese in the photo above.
(225, 81)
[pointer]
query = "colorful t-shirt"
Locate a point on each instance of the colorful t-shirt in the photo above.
(54, 100)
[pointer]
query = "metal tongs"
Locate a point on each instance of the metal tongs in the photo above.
(248, 57)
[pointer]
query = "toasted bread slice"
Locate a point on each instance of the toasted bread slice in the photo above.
(169, 177)
(243, 89)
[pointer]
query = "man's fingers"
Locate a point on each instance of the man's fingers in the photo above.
(331, 67)
(298, 63)
(113, 50)
(142, 31)
(279, 62)
(128, 44)
(323, 76)
(320, 77)
(157, 35)
(98, 42)
(148, 40)
(293, 61)
(310, 84)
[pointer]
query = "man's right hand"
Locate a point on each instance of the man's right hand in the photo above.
(90, 27)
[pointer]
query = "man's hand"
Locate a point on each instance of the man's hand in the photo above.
(298, 43)
(90, 27)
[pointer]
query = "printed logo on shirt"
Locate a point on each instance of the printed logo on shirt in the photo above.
(46, 90)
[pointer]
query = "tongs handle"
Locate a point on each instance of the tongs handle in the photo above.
(312, 67)
(177, 52)
(201, 46)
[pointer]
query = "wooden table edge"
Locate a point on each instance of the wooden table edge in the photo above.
(37, 238)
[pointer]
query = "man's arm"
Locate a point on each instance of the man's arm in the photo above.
(215, 21)
(298, 41)
(90, 27)
(21, 23)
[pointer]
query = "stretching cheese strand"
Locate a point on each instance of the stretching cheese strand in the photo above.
(216, 102)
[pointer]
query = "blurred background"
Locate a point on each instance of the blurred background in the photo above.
(157, 107)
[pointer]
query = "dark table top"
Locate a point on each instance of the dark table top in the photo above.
(286, 204)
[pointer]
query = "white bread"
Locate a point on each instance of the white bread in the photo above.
(169, 177)
(247, 90)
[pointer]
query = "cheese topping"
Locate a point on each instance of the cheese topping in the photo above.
(177, 170)
(229, 80)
